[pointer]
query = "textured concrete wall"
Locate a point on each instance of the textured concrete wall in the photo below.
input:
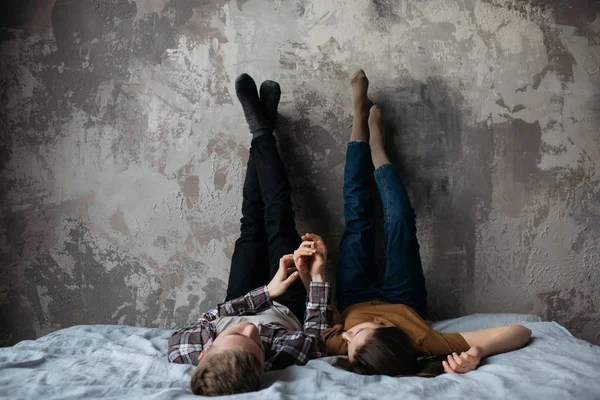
(123, 149)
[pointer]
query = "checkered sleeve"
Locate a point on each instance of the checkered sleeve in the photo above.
(319, 314)
(186, 344)
(254, 302)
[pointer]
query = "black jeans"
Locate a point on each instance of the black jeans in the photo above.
(268, 228)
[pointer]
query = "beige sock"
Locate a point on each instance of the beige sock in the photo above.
(361, 104)
(377, 137)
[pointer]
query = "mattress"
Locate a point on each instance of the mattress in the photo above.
(125, 362)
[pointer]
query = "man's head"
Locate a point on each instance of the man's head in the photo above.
(242, 336)
(234, 363)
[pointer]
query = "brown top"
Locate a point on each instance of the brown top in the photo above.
(423, 337)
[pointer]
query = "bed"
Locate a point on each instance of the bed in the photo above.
(124, 362)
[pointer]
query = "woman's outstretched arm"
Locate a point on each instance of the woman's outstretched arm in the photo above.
(498, 340)
(485, 343)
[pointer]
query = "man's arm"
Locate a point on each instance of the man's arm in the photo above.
(253, 302)
(186, 344)
(261, 298)
(297, 347)
(318, 315)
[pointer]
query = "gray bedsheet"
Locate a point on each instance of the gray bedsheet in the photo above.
(106, 361)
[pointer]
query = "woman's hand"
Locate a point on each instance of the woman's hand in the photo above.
(302, 258)
(310, 259)
(319, 259)
(285, 276)
(467, 361)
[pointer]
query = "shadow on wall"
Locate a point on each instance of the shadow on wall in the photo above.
(446, 167)
(450, 191)
(18, 13)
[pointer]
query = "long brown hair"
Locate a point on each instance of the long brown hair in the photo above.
(390, 352)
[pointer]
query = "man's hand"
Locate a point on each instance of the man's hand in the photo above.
(284, 277)
(319, 259)
(302, 258)
(467, 361)
(310, 259)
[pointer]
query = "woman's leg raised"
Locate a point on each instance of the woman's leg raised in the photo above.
(356, 274)
(403, 281)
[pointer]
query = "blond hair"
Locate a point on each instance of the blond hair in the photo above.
(226, 372)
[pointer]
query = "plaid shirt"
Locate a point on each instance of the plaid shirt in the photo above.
(282, 346)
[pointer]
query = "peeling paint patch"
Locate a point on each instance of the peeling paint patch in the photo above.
(117, 222)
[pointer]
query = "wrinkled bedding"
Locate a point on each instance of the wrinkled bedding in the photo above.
(124, 362)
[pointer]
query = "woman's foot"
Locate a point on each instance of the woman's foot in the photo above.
(246, 92)
(360, 99)
(270, 93)
(361, 104)
(377, 137)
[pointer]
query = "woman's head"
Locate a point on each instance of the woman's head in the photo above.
(378, 350)
(358, 336)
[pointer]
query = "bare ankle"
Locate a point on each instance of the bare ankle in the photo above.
(360, 132)
(379, 157)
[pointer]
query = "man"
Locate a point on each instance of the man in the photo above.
(250, 333)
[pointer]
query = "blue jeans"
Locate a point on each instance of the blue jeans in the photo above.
(403, 280)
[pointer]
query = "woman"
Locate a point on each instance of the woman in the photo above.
(383, 329)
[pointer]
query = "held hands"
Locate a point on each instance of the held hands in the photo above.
(285, 276)
(310, 259)
(465, 362)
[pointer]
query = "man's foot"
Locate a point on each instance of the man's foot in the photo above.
(361, 104)
(377, 137)
(246, 92)
(270, 93)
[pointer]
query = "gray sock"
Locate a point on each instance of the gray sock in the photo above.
(246, 92)
(270, 93)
